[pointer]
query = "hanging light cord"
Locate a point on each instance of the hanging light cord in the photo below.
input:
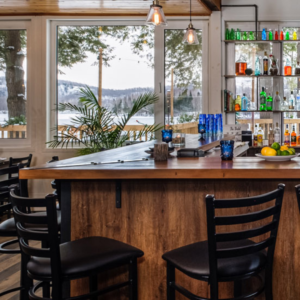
(190, 11)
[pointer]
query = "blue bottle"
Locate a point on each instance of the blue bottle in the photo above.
(264, 35)
(257, 66)
(245, 102)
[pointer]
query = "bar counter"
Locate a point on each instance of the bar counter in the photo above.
(159, 206)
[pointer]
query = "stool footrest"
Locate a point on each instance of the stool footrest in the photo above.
(11, 291)
(9, 251)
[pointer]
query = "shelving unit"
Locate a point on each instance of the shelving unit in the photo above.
(260, 42)
(260, 76)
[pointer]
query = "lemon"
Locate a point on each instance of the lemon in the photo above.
(268, 151)
(292, 151)
(282, 148)
(275, 146)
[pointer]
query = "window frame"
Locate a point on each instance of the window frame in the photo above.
(23, 24)
(159, 80)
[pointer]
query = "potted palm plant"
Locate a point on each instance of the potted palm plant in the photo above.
(94, 127)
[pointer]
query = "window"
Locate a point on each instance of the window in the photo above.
(13, 83)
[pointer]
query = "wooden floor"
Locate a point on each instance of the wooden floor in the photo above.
(9, 273)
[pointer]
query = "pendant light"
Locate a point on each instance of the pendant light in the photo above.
(190, 36)
(156, 15)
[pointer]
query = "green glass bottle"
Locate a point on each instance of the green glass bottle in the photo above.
(287, 36)
(251, 36)
(227, 34)
(269, 104)
(270, 35)
(232, 34)
(238, 34)
(263, 100)
(244, 36)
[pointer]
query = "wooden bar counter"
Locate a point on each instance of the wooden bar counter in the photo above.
(158, 206)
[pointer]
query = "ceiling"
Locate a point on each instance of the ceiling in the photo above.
(105, 7)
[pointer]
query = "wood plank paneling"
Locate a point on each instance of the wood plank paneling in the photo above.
(99, 7)
(157, 216)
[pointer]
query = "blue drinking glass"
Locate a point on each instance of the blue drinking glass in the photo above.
(202, 119)
(201, 130)
(209, 124)
(227, 148)
(167, 135)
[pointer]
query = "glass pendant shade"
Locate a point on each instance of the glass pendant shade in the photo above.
(156, 15)
(190, 36)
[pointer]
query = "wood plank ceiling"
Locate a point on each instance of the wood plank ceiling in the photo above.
(105, 7)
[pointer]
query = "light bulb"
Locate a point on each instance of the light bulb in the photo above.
(156, 18)
(191, 38)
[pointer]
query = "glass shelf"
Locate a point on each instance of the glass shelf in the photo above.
(259, 42)
(260, 76)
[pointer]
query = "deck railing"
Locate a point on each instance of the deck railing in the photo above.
(132, 131)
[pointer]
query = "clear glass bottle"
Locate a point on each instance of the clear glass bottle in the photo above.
(285, 105)
(266, 63)
(255, 137)
(293, 137)
(238, 103)
(274, 70)
(240, 66)
(298, 101)
(277, 134)
(257, 66)
(271, 136)
(277, 102)
(287, 136)
(260, 137)
(292, 101)
(288, 68)
(245, 103)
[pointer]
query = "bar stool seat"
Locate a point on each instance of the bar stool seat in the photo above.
(84, 256)
(8, 227)
(193, 260)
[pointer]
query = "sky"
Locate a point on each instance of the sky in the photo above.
(127, 70)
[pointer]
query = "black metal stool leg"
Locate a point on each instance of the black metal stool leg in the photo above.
(268, 284)
(25, 281)
(133, 288)
(93, 281)
(170, 279)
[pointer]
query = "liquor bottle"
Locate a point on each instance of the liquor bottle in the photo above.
(238, 34)
(260, 136)
(257, 66)
(264, 35)
(266, 63)
(277, 102)
(281, 35)
(245, 103)
(287, 68)
(238, 102)
(240, 65)
(232, 35)
(292, 101)
(277, 134)
(287, 36)
(293, 137)
(227, 34)
(294, 35)
(271, 136)
(270, 35)
(276, 35)
(255, 137)
(263, 100)
(269, 103)
(298, 101)
(285, 105)
(287, 136)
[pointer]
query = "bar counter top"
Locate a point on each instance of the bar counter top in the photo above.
(174, 168)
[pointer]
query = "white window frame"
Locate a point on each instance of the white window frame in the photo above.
(159, 86)
(12, 24)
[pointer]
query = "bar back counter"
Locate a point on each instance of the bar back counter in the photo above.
(159, 206)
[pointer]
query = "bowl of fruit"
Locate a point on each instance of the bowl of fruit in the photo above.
(277, 153)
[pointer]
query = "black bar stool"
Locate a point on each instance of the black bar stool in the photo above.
(22, 162)
(72, 260)
(229, 256)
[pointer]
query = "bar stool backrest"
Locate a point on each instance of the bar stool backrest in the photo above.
(28, 224)
(271, 227)
(5, 183)
(22, 162)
